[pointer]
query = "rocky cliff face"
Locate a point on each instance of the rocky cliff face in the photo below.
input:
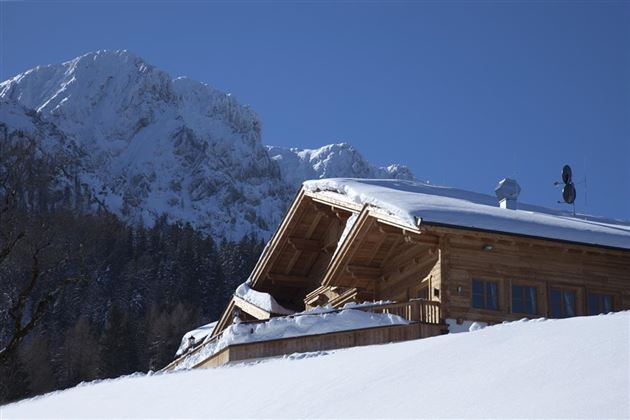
(148, 145)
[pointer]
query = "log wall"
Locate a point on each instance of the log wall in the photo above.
(319, 342)
(527, 262)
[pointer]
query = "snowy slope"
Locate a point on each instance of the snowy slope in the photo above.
(156, 145)
(572, 368)
(23, 130)
(16, 121)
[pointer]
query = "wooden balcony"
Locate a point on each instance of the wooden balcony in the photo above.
(416, 310)
(424, 316)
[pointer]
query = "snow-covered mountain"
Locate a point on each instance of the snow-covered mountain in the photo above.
(152, 145)
(28, 144)
(331, 161)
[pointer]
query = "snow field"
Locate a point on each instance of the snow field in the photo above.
(572, 368)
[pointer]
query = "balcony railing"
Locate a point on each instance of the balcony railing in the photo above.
(416, 311)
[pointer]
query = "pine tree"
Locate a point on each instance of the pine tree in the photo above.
(117, 345)
(36, 356)
(80, 355)
(14, 382)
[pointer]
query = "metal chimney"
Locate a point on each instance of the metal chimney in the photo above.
(507, 192)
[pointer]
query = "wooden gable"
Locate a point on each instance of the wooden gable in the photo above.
(300, 251)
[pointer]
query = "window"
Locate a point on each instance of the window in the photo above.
(561, 303)
(524, 300)
(484, 295)
(599, 303)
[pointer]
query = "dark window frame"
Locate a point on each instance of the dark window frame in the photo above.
(562, 304)
(524, 298)
(485, 295)
(600, 300)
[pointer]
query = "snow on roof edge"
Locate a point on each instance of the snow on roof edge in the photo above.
(436, 205)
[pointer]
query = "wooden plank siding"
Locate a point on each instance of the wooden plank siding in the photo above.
(529, 262)
(322, 342)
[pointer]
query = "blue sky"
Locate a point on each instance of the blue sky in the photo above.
(464, 93)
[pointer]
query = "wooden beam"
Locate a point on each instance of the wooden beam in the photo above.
(271, 251)
(363, 282)
(377, 245)
(315, 294)
(343, 298)
(308, 245)
(531, 241)
(340, 201)
(364, 271)
(250, 308)
(395, 248)
(225, 320)
(334, 201)
(292, 261)
(286, 280)
(403, 258)
(422, 267)
(349, 246)
(314, 224)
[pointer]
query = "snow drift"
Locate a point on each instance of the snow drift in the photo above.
(571, 368)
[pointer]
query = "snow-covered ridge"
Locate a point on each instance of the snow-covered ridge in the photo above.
(151, 144)
(115, 82)
(569, 368)
(334, 160)
(413, 201)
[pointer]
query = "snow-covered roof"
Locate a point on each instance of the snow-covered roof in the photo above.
(198, 335)
(410, 201)
(261, 300)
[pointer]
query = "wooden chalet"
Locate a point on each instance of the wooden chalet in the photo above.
(439, 257)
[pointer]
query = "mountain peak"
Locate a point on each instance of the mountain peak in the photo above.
(155, 145)
(149, 144)
(330, 161)
(104, 60)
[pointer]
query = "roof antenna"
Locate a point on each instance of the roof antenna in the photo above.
(568, 190)
(585, 185)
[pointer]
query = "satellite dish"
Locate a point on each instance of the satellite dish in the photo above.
(568, 192)
(567, 174)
